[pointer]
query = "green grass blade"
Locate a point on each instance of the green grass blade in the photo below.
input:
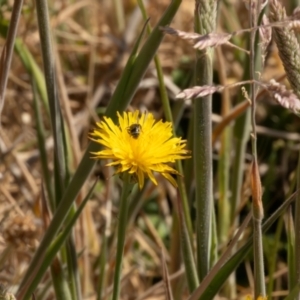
(102, 264)
(297, 228)
(214, 285)
(60, 283)
(123, 94)
(55, 113)
(272, 256)
(7, 50)
(34, 70)
(187, 252)
(290, 232)
(122, 225)
(294, 293)
(73, 272)
(55, 246)
(42, 149)
(205, 22)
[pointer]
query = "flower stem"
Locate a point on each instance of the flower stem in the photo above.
(123, 211)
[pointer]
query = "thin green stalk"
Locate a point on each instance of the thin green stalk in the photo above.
(214, 239)
(42, 146)
(241, 133)
(60, 147)
(205, 21)
(136, 204)
(60, 284)
(290, 231)
(297, 229)
(224, 159)
(34, 70)
(119, 9)
(224, 205)
(189, 164)
(223, 172)
(102, 265)
(8, 49)
(105, 243)
(273, 257)
(259, 273)
(175, 255)
(50, 78)
(73, 272)
(257, 209)
(122, 222)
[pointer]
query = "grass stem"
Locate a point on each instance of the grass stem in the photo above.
(205, 19)
(122, 221)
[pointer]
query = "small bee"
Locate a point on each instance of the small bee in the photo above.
(134, 130)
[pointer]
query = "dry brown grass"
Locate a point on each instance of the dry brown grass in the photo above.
(91, 54)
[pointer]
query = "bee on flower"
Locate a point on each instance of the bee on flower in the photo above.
(139, 145)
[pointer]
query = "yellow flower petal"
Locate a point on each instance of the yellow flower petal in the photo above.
(139, 145)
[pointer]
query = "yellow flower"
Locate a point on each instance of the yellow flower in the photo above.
(139, 145)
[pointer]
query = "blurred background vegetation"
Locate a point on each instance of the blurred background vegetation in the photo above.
(92, 41)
